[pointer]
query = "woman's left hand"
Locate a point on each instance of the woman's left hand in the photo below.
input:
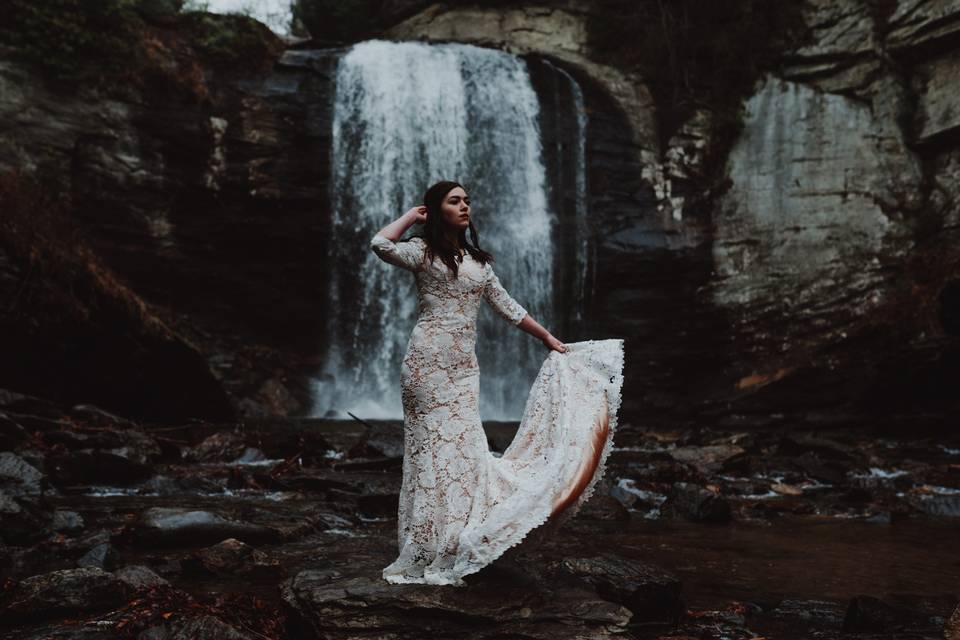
(554, 344)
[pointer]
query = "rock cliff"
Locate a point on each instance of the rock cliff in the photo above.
(805, 274)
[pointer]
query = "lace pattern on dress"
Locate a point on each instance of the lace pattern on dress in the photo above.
(460, 505)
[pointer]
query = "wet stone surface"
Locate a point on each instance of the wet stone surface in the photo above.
(280, 529)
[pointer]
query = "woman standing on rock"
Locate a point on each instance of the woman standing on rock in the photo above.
(462, 506)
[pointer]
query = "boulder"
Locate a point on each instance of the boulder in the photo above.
(65, 592)
(66, 521)
(102, 556)
(696, 503)
(138, 576)
(232, 556)
(19, 477)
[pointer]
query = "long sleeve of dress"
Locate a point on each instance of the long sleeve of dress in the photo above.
(406, 255)
(501, 301)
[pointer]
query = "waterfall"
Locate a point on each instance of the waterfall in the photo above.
(408, 114)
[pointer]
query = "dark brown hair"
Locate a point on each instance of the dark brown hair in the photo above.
(433, 235)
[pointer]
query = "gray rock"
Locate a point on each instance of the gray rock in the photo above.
(840, 54)
(166, 486)
(651, 593)
(250, 455)
(332, 605)
(605, 507)
(139, 576)
(19, 477)
(918, 23)
(157, 632)
(802, 227)
(172, 526)
(102, 556)
(823, 611)
(936, 504)
(55, 631)
(232, 556)
(706, 458)
(208, 628)
(24, 403)
(938, 110)
(98, 416)
(221, 446)
(64, 592)
(951, 630)
(696, 503)
(67, 521)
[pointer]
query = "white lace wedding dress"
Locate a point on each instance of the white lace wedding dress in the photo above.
(462, 506)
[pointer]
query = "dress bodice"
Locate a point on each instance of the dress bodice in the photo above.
(442, 296)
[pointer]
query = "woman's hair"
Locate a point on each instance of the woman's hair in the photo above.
(433, 232)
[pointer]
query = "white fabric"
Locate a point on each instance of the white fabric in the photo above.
(462, 506)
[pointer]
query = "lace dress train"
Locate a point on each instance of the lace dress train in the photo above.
(462, 505)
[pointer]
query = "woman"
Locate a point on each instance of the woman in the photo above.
(461, 506)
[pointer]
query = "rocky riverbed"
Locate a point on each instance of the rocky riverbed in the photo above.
(279, 529)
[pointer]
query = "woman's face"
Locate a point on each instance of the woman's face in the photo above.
(455, 209)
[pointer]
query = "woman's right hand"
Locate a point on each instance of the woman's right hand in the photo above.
(418, 214)
(552, 343)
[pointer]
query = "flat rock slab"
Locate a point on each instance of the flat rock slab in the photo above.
(64, 592)
(332, 605)
(652, 594)
(172, 526)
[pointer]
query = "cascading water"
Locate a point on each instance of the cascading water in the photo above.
(406, 115)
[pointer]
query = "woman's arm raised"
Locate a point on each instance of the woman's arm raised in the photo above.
(408, 255)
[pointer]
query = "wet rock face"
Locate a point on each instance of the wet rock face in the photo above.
(797, 265)
(803, 226)
(199, 207)
(338, 606)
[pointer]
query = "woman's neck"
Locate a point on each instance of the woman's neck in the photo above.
(455, 241)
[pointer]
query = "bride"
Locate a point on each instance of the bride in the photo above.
(462, 506)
